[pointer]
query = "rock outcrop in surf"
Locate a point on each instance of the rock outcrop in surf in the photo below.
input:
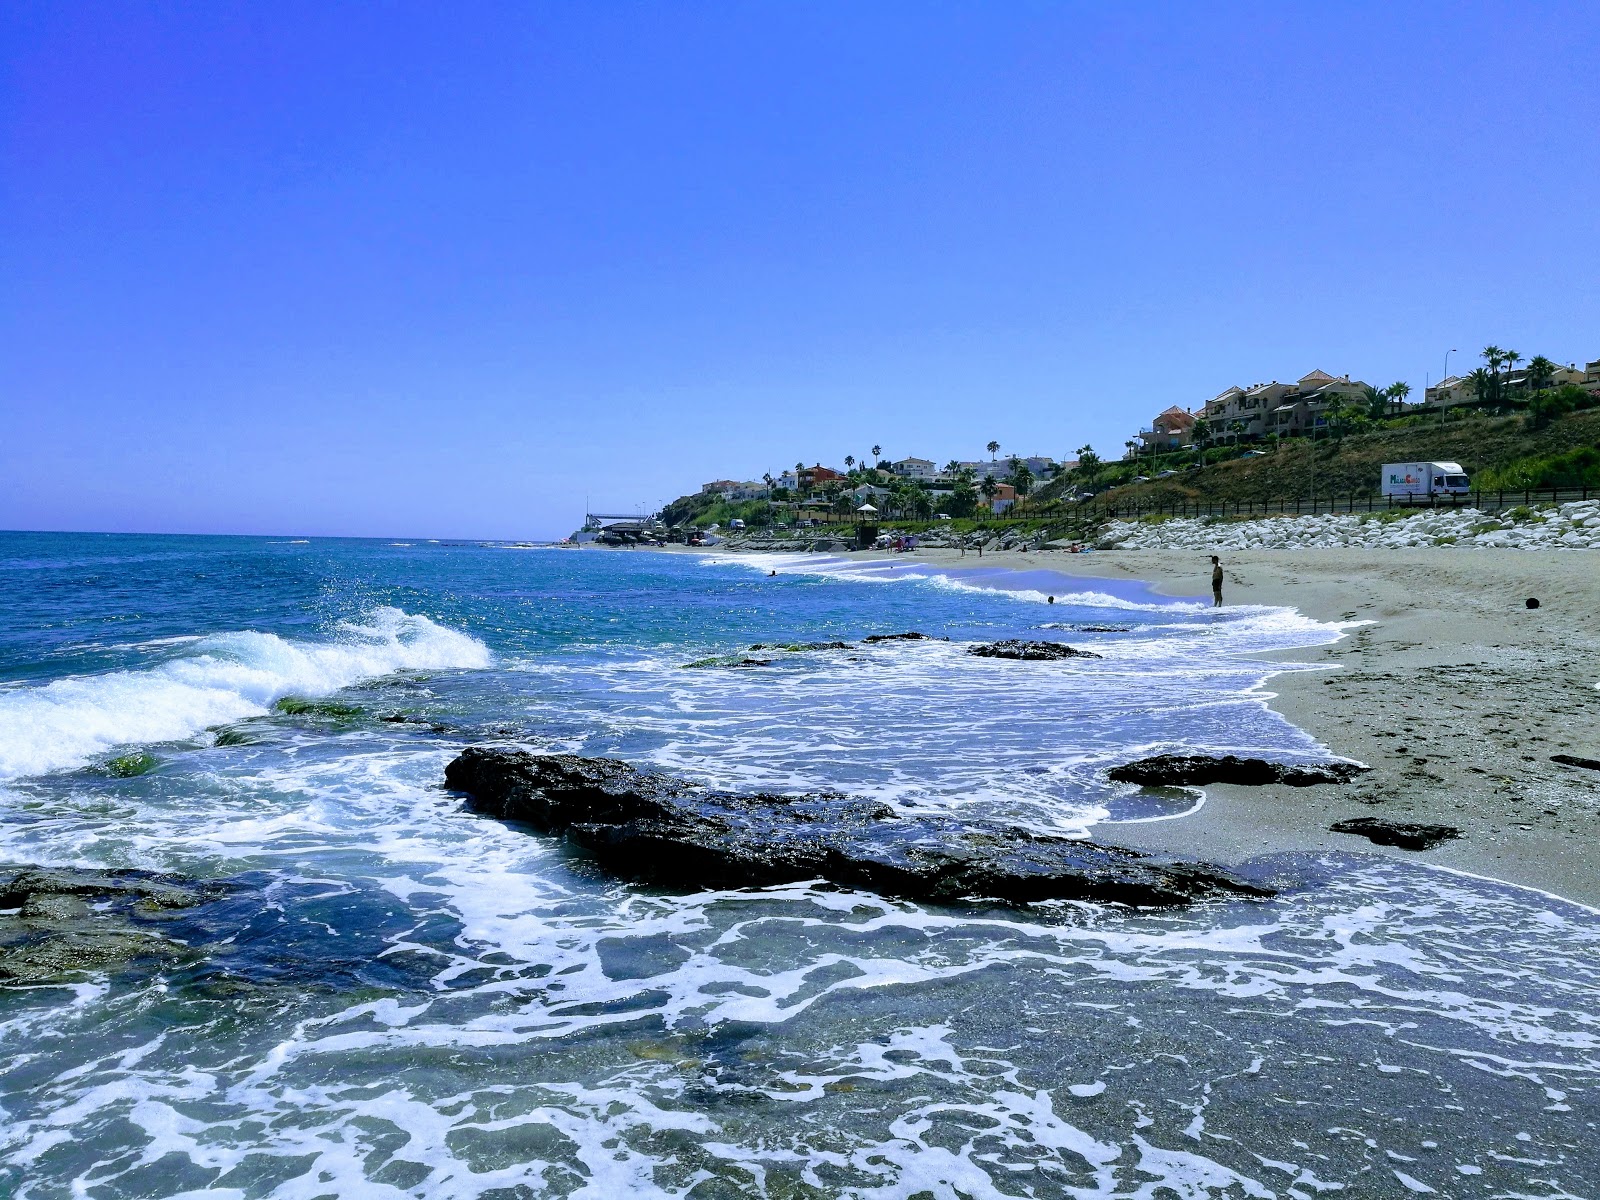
(1196, 770)
(1030, 651)
(650, 827)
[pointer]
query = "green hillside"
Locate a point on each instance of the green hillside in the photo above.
(1498, 452)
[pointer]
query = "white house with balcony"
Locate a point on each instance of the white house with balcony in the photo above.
(916, 468)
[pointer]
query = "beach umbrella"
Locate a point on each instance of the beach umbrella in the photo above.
(866, 508)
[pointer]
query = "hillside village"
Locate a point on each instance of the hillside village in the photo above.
(1240, 422)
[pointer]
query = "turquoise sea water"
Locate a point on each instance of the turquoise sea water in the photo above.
(419, 1002)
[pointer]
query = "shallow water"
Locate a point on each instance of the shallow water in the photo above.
(418, 1002)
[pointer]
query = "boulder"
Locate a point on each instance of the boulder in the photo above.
(1030, 651)
(913, 636)
(650, 827)
(1195, 770)
(1404, 834)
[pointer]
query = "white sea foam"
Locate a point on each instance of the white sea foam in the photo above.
(221, 678)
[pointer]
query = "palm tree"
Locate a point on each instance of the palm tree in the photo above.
(952, 468)
(1021, 478)
(877, 454)
(1088, 462)
(993, 448)
(1541, 372)
(1398, 391)
(849, 462)
(1483, 383)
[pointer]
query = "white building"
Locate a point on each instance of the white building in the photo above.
(916, 468)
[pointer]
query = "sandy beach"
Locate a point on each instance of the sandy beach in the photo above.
(1456, 694)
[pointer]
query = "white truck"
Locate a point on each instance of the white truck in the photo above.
(1422, 479)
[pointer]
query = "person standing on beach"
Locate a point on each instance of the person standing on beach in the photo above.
(1216, 582)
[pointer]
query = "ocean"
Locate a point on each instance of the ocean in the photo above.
(403, 999)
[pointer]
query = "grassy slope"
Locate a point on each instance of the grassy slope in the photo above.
(1352, 467)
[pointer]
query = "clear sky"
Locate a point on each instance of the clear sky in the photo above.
(448, 270)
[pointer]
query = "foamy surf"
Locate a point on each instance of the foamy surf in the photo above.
(221, 678)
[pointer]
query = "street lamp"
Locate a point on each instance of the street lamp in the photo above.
(1443, 394)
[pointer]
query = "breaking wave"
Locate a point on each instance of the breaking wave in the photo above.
(221, 678)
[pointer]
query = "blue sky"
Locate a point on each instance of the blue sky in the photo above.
(448, 270)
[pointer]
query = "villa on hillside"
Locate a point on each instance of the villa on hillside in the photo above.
(1171, 429)
(1459, 389)
(814, 477)
(1242, 414)
(916, 468)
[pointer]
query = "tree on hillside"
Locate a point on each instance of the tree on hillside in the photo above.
(1494, 358)
(1020, 478)
(877, 453)
(993, 448)
(964, 499)
(1088, 463)
(989, 488)
(1541, 372)
(1484, 384)
(849, 462)
(1377, 402)
(952, 468)
(1199, 432)
(1398, 391)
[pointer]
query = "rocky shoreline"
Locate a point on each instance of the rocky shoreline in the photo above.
(648, 827)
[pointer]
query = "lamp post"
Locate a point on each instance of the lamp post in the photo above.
(1442, 393)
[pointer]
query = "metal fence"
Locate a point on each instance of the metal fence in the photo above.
(1132, 507)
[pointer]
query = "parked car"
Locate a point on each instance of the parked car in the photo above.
(1165, 474)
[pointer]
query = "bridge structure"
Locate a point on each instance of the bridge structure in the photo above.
(597, 520)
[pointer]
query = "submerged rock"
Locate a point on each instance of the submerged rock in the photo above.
(650, 827)
(65, 920)
(1404, 834)
(912, 636)
(1030, 651)
(1194, 770)
(796, 647)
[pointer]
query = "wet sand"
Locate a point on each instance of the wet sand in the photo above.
(1457, 695)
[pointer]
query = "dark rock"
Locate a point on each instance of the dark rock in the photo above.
(1574, 760)
(913, 636)
(1404, 834)
(1030, 651)
(650, 827)
(1099, 628)
(1194, 770)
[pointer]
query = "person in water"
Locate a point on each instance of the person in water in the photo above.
(1216, 582)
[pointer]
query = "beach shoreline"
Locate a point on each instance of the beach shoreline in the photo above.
(1445, 683)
